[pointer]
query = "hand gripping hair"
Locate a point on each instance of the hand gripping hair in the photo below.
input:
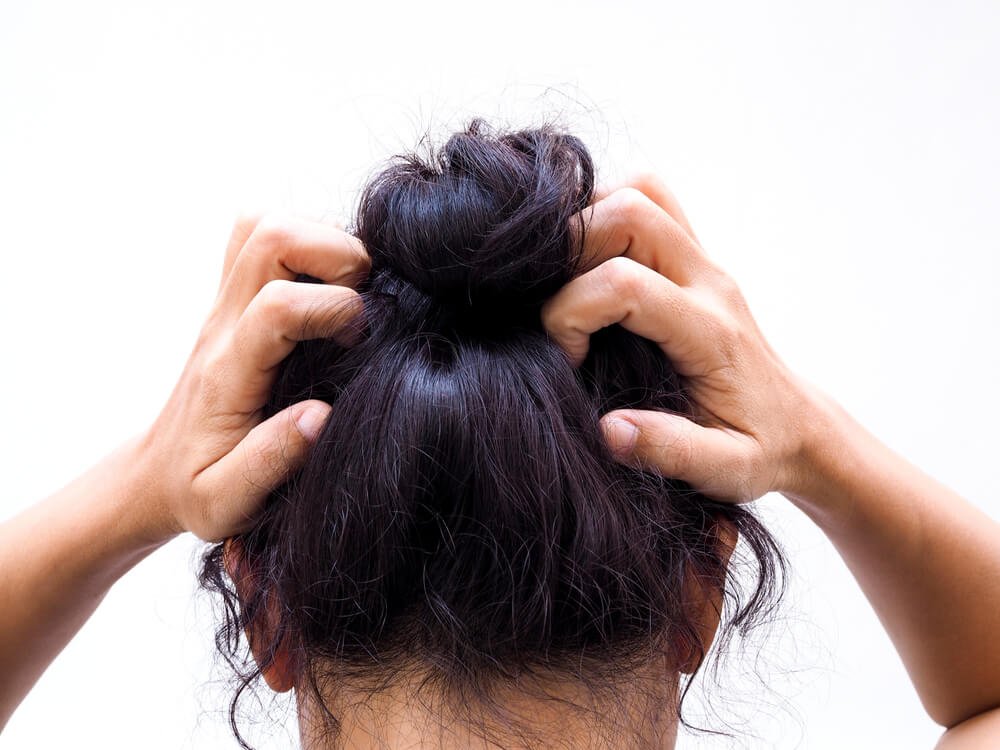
(460, 518)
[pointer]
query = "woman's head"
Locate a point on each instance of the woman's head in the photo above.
(460, 526)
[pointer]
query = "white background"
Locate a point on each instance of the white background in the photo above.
(840, 159)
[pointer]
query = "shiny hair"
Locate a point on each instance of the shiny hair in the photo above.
(460, 516)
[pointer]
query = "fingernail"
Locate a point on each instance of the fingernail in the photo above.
(621, 436)
(311, 421)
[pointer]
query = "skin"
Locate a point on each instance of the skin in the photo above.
(207, 462)
(928, 561)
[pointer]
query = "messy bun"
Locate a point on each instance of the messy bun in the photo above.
(460, 517)
(482, 229)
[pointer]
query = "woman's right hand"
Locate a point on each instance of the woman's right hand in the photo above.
(647, 272)
(210, 459)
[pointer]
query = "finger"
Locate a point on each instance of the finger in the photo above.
(628, 223)
(653, 187)
(242, 230)
(234, 487)
(710, 459)
(286, 312)
(628, 293)
(282, 248)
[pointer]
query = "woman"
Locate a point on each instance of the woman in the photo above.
(483, 615)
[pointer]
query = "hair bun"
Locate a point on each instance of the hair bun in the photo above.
(460, 525)
(484, 221)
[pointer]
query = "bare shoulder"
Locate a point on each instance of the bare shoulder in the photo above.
(980, 731)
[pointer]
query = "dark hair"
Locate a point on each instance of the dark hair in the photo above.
(461, 516)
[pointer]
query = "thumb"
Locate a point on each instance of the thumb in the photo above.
(276, 447)
(669, 444)
(238, 483)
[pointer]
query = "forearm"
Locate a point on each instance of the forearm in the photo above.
(206, 465)
(928, 561)
(60, 557)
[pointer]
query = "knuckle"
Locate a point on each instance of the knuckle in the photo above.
(556, 317)
(246, 223)
(646, 181)
(275, 302)
(580, 222)
(214, 359)
(272, 231)
(276, 296)
(211, 379)
(548, 314)
(729, 329)
(728, 289)
(563, 321)
(213, 329)
(631, 203)
(731, 336)
(622, 276)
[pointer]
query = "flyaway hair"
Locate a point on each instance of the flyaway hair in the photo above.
(460, 517)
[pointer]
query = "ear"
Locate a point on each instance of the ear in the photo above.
(278, 675)
(706, 599)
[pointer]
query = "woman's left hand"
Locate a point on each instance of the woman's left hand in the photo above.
(209, 461)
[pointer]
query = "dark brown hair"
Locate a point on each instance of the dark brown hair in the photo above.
(461, 513)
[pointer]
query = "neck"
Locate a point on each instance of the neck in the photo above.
(531, 712)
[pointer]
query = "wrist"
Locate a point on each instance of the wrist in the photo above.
(143, 504)
(91, 531)
(61, 556)
(815, 476)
